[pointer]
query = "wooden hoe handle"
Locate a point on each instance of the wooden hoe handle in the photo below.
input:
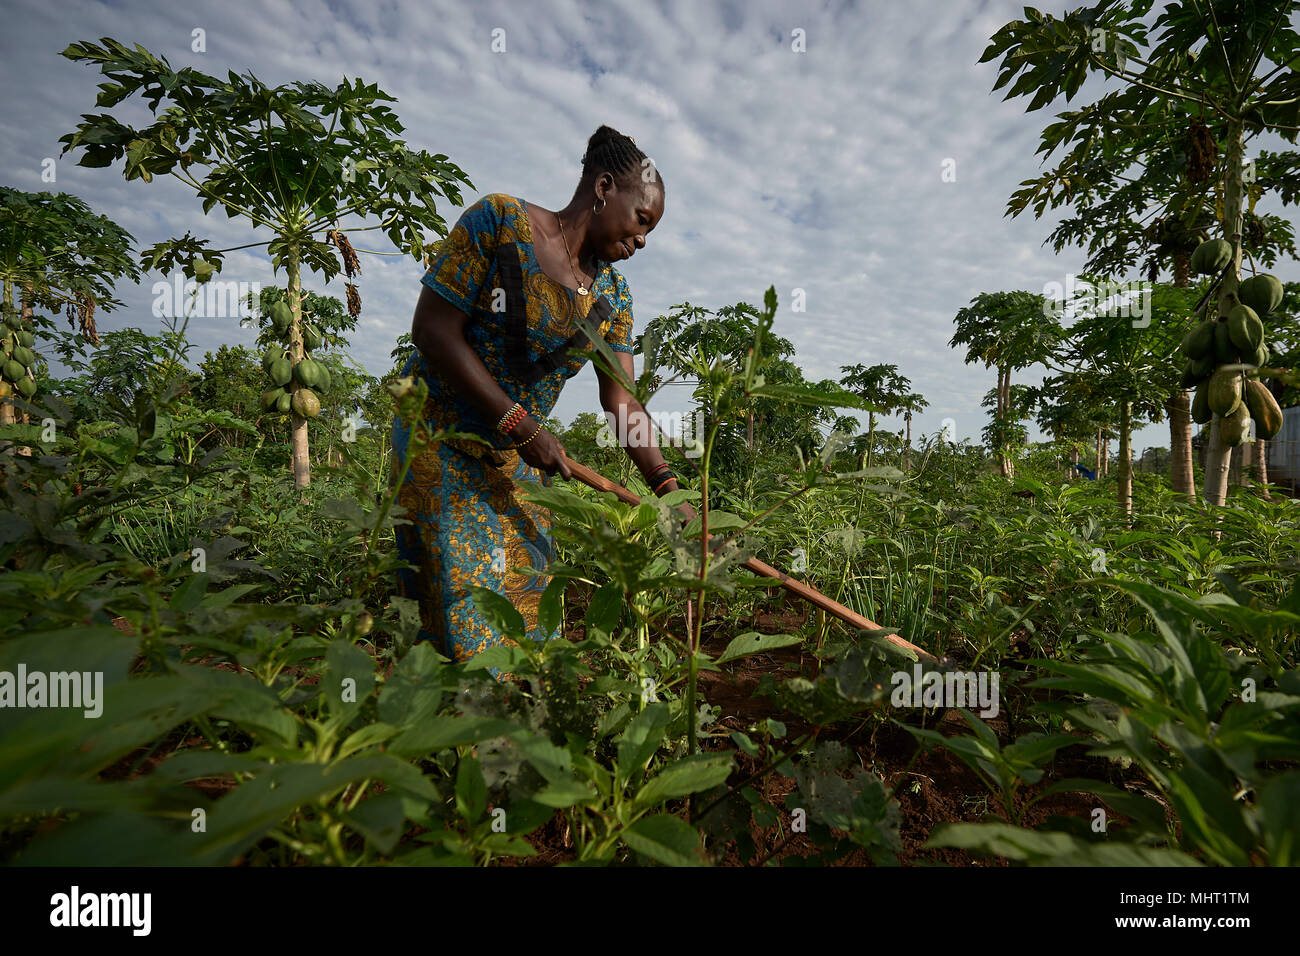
(813, 596)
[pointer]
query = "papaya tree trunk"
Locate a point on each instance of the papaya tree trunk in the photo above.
(1179, 408)
(1215, 490)
(871, 435)
(7, 407)
(298, 424)
(1125, 482)
(907, 449)
(1261, 466)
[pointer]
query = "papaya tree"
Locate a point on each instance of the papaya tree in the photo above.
(1007, 331)
(1230, 60)
(296, 160)
(58, 255)
(1131, 364)
(882, 387)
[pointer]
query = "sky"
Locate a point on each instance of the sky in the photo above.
(869, 169)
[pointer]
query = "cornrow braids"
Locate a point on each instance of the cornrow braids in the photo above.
(610, 151)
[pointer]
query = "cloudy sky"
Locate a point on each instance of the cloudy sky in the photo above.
(819, 170)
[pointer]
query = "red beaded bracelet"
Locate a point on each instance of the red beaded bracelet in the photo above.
(510, 419)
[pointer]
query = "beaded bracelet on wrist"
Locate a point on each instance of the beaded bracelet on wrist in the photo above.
(658, 491)
(511, 418)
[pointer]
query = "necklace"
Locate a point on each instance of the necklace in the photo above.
(582, 289)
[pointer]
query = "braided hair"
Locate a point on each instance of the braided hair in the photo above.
(610, 151)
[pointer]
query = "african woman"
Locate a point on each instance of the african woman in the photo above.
(495, 329)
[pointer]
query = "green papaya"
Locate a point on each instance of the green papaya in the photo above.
(310, 338)
(305, 373)
(1198, 342)
(305, 403)
(1263, 293)
(284, 402)
(13, 370)
(1224, 351)
(1235, 427)
(269, 356)
(1201, 413)
(1223, 392)
(25, 338)
(1263, 407)
(24, 356)
(281, 372)
(270, 397)
(13, 321)
(26, 386)
(1212, 257)
(322, 377)
(1260, 357)
(1245, 329)
(281, 317)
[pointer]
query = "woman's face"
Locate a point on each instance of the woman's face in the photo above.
(631, 212)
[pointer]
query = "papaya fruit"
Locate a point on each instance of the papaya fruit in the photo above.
(13, 370)
(25, 338)
(1198, 342)
(24, 356)
(322, 378)
(1201, 413)
(305, 373)
(1224, 350)
(305, 403)
(1223, 392)
(1263, 293)
(281, 372)
(13, 320)
(269, 356)
(1212, 257)
(310, 338)
(1235, 427)
(1260, 357)
(281, 317)
(1263, 407)
(26, 386)
(1245, 329)
(270, 397)
(5, 389)
(284, 402)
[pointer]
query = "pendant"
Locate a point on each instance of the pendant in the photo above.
(582, 290)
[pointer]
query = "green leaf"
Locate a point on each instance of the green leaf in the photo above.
(471, 790)
(666, 839)
(753, 642)
(1049, 849)
(684, 777)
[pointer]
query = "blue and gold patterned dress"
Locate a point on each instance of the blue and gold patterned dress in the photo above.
(470, 527)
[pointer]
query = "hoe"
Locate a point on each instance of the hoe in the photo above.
(813, 596)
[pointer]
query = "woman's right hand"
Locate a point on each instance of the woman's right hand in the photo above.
(545, 453)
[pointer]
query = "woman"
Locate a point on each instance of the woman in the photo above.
(494, 329)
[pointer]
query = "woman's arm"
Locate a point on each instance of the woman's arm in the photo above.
(438, 331)
(622, 404)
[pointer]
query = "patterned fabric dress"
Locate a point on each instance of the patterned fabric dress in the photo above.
(470, 525)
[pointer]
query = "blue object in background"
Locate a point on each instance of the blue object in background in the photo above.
(1090, 475)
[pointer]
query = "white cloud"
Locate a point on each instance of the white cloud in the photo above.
(819, 170)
